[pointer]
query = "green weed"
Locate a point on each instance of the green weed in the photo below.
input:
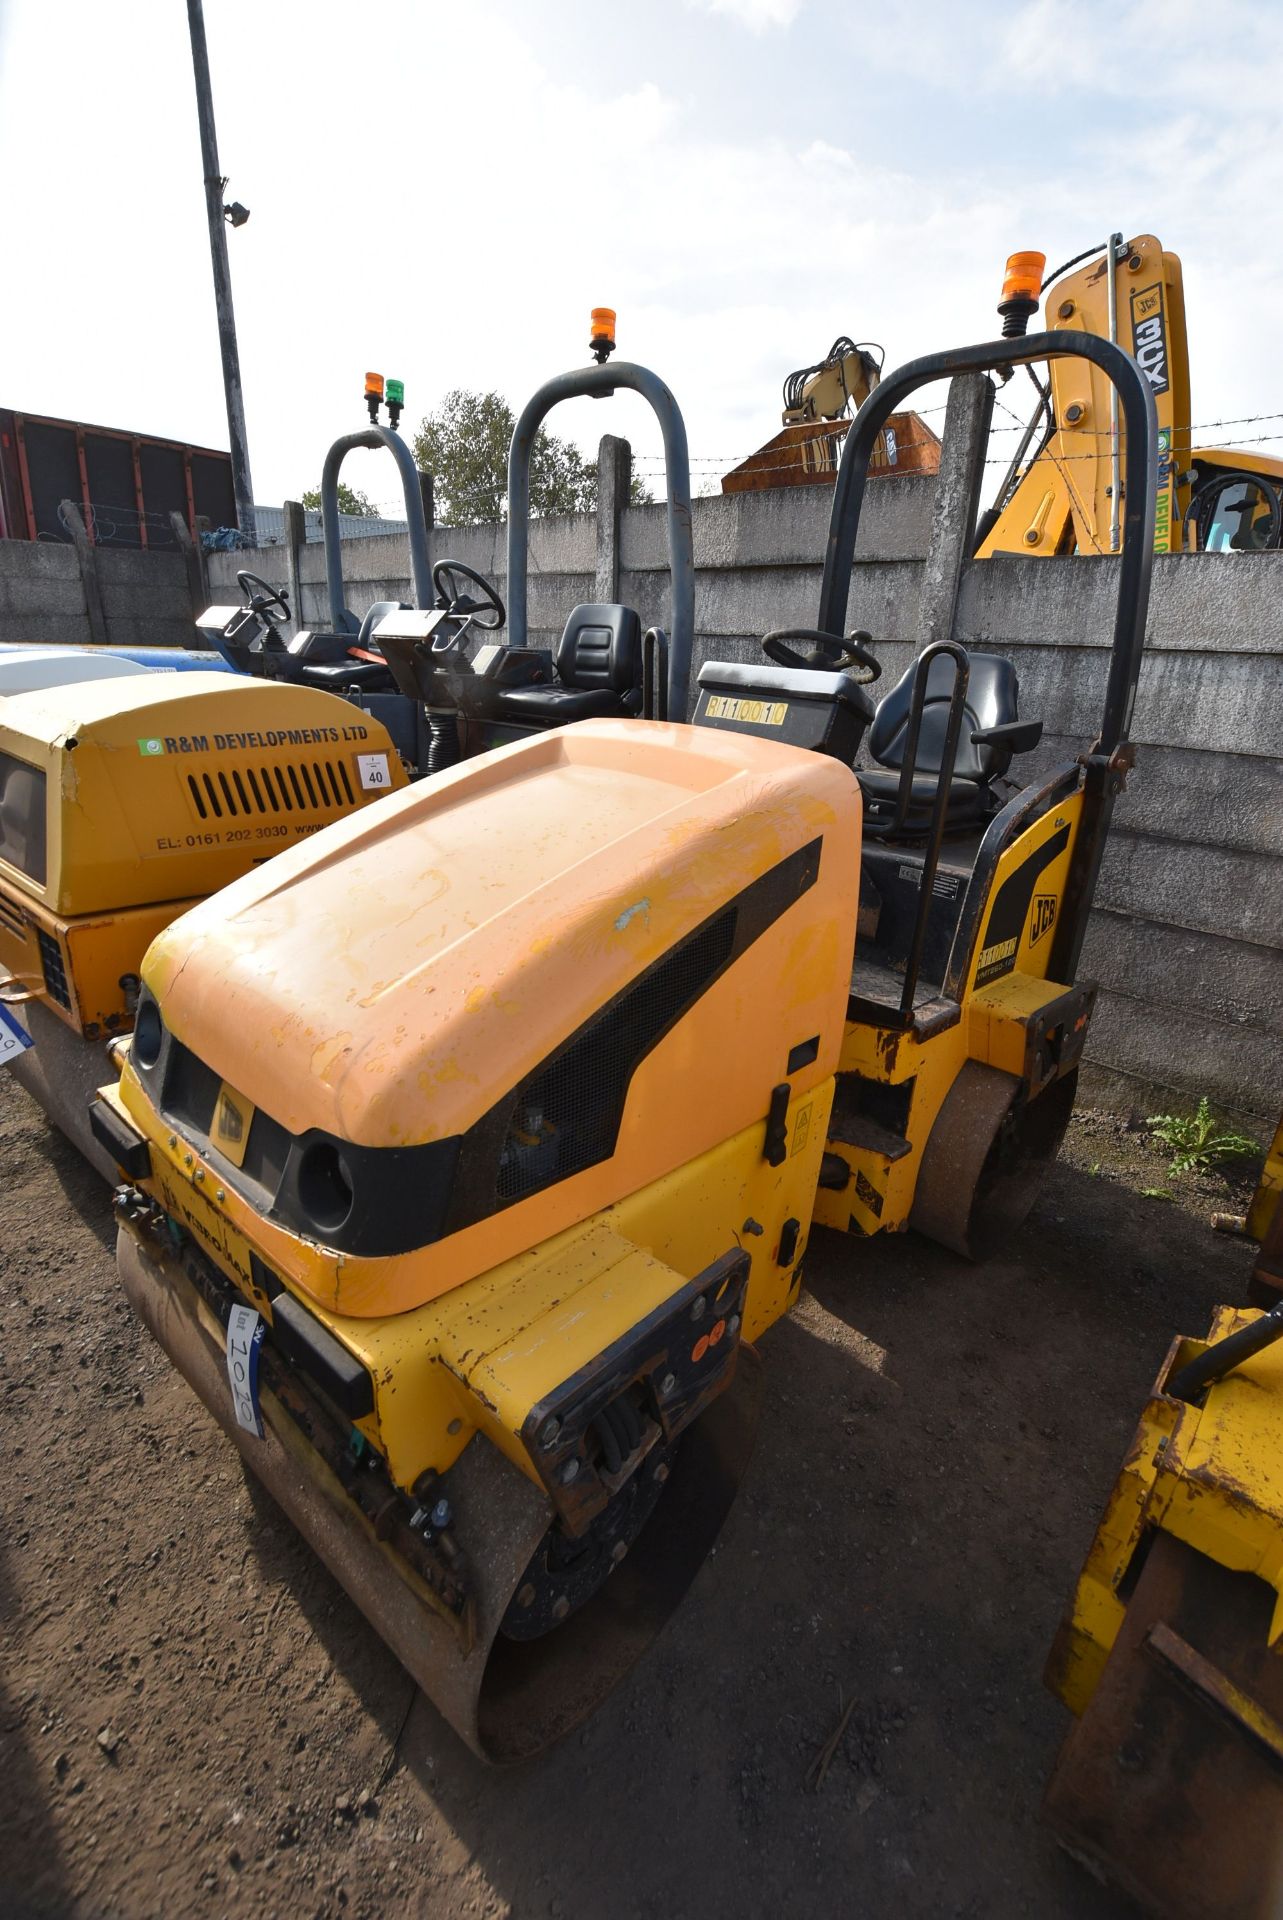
(1196, 1142)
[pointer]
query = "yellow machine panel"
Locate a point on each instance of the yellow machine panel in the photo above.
(409, 985)
(123, 800)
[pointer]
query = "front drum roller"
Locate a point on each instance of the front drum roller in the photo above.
(504, 1696)
(986, 1158)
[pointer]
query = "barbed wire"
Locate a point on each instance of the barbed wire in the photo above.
(710, 462)
(708, 465)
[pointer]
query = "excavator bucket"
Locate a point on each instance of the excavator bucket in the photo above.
(1171, 1783)
(1171, 1651)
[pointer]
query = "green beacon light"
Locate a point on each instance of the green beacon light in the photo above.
(394, 393)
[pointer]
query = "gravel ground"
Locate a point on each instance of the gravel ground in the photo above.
(195, 1719)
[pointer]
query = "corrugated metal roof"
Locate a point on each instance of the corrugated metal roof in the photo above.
(352, 526)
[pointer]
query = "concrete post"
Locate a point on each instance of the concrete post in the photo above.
(295, 541)
(194, 560)
(614, 481)
(87, 556)
(957, 495)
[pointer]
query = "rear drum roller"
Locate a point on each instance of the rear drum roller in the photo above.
(522, 1670)
(986, 1158)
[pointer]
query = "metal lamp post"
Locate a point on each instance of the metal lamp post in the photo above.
(218, 215)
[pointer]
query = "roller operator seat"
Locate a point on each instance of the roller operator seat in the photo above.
(990, 734)
(337, 674)
(599, 672)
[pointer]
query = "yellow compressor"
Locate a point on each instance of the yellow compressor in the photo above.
(472, 1143)
(123, 801)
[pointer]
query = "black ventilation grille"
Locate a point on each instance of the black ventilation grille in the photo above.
(566, 1116)
(55, 971)
(12, 917)
(305, 786)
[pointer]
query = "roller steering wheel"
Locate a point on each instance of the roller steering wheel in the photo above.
(444, 580)
(263, 603)
(828, 654)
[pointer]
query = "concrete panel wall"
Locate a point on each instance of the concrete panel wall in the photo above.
(1187, 938)
(41, 595)
(145, 597)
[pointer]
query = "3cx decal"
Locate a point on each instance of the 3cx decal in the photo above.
(1149, 336)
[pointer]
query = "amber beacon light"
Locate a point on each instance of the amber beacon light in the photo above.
(1021, 291)
(602, 338)
(374, 394)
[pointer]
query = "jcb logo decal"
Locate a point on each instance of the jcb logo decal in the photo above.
(1149, 336)
(1043, 917)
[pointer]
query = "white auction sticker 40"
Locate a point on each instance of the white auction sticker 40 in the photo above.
(14, 1038)
(372, 771)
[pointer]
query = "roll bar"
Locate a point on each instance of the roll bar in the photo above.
(1140, 488)
(599, 381)
(420, 560)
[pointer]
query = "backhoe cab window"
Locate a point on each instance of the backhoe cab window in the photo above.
(22, 816)
(1240, 520)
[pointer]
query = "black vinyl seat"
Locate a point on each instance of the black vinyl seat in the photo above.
(599, 672)
(334, 675)
(991, 705)
(340, 670)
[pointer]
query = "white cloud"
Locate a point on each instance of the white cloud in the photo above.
(759, 16)
(459, 236)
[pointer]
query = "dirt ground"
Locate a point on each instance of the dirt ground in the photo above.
(195, 1719)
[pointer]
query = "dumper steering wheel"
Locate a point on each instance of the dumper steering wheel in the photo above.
(445, 581)
(827, 654)
(263, 602)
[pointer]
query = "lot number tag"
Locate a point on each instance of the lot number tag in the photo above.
(14, 1038)
(372, 770)
(244, 1339)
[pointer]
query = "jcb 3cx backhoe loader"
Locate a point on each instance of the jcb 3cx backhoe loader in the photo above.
(1171, 1651)
(470, 1147)
(1068, 497)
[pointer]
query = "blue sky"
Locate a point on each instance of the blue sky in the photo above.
(442, 191)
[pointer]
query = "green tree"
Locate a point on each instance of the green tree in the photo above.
(350, 501)
(464, 446)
